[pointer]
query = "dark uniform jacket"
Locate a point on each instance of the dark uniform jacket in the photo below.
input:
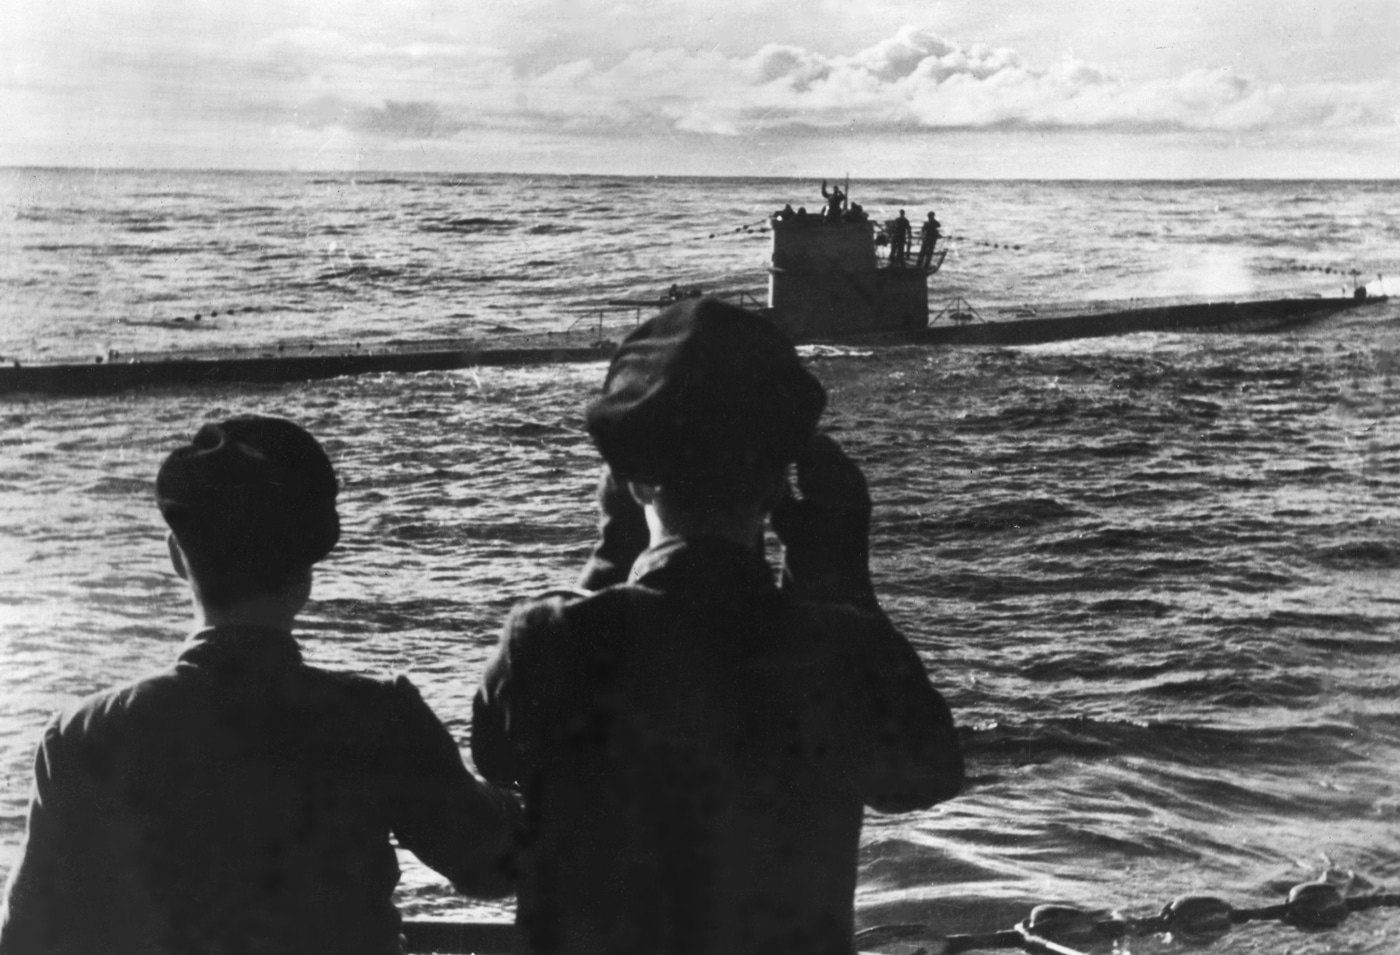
(696, 749)
(242, 802)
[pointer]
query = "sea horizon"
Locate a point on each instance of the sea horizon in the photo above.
(259, 170)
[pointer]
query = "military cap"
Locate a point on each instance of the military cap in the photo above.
(251, 492)
(704, 389)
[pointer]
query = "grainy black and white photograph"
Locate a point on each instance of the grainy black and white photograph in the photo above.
(586, 477)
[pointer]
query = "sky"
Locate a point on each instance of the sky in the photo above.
(873, 88)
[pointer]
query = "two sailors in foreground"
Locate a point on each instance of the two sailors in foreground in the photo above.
(693, 741)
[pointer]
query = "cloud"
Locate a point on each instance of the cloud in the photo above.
(617, 70)
(917, 80)
(406, 121)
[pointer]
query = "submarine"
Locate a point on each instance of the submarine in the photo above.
(828, 283)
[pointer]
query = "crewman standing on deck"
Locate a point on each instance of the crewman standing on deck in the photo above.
(695, 742)
(899, 239)
(242, 801)
(929, 234)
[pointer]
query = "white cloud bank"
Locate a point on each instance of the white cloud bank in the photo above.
(913, 81)
(565, 84)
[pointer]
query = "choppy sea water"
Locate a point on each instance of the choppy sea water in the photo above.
(1157, 576)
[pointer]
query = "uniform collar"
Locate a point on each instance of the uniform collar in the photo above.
(263, 648)
(696, 563)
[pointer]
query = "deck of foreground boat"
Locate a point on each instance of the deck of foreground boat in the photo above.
(450, 937)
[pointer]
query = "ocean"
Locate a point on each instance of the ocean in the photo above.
(1156, 576)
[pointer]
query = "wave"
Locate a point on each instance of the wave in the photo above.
(106, 250)
(553, 228)
(371, 272)
(1233, 373)
(1131, 607)
(1134, 539)
(1029, 743)
(1240, 691)
(181, 195)
(1003, 516)
(254, 211)
(1359, 555)
(465, 224)
(1313, 622)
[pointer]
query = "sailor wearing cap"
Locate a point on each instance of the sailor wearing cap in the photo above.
(243, 801)
(695, 743)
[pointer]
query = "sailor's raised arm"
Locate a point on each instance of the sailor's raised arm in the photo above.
(826, 531)
(913, 759)
(622, 535)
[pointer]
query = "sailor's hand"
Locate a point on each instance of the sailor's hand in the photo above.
(825, 531)
(622, 534)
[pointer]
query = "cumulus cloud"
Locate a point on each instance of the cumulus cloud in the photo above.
(919, 80)
(318, 77)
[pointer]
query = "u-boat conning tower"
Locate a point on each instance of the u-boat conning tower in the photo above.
(826, 280)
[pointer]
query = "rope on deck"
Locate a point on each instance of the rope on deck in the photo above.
(1049, 930)
(1192, 919)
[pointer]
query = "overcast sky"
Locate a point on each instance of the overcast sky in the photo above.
(975, 88)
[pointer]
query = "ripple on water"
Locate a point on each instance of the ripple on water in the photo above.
(1153, 574)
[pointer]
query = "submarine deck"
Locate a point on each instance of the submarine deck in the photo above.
(955, 324)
